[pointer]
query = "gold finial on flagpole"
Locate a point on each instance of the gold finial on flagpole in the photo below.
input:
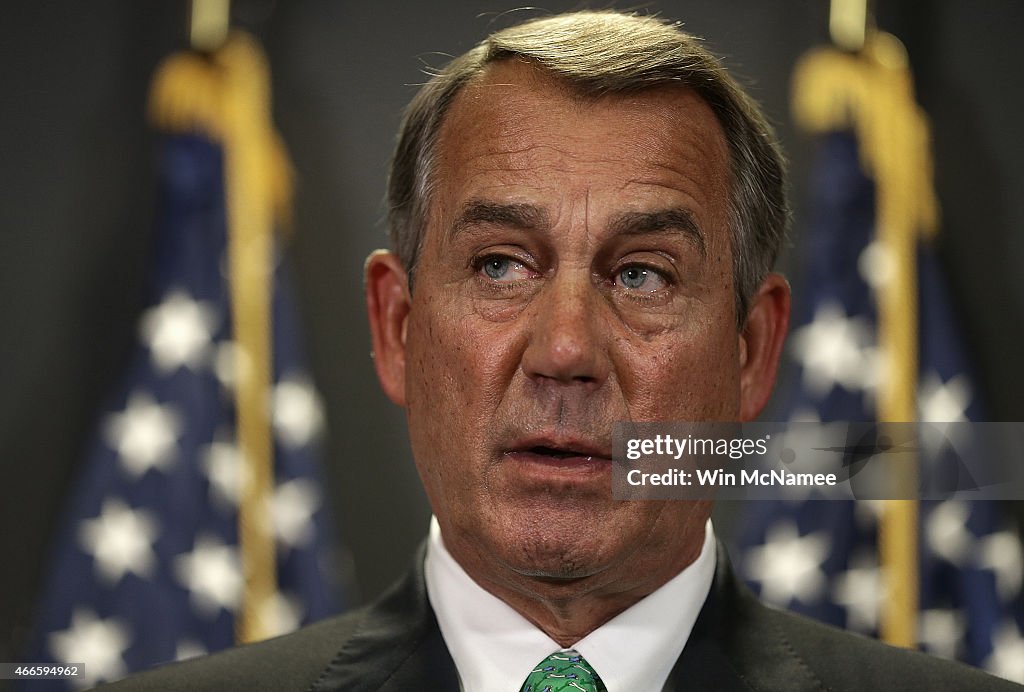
(209, 21)
(848, 23)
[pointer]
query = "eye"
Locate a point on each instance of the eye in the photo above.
(639, 278)
(503, 269)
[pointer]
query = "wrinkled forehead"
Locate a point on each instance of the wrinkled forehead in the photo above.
(507, 89)
(515, 123)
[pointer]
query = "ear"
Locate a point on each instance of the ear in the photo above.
(761, 344)
(388, 302)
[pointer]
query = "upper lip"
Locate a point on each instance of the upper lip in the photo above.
(560, 445)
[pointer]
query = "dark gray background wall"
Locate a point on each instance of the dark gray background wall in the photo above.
(76, 184)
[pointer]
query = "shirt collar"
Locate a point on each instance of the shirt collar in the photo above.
(489, 641)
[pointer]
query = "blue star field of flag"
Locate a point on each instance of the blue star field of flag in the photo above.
(147, 568)
(819, 558)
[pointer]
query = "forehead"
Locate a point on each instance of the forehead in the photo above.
(517, 125)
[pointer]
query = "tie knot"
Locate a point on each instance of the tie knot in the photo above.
(564, 670)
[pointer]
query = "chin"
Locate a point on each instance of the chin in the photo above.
(556, 550)
(557, 571)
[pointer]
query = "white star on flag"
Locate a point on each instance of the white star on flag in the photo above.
(941, 404)
(1007, 658)
(946, 531)
(222, 464)
(875, 264)
(1001, 553)
(297, 411)
(178, 331)
(940, 630)
(868, 513)
(97, 644)
(835, 349)
(291, 509)
(212, 572)
(145, 434)
(120, 540)
(281, 614)
(788, 566)
(944, 402)
(231, 363)
(189, 648)
(859, 591)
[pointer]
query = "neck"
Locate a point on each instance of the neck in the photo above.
(568, 609)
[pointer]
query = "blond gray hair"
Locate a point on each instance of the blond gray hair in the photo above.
(597, 53)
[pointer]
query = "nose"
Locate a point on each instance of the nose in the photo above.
(567, 344)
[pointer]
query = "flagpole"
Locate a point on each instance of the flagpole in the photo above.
(901, 163)
(250, 238)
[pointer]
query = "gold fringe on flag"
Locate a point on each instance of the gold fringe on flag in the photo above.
(871, 93)
(225, 95)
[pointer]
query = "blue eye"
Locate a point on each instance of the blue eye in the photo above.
(502, 269)
(636, 277)
(496, 267)
(633, 277)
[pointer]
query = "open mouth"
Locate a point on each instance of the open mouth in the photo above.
(559, 456)
(558, 453)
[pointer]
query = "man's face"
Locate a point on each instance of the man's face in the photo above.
(575, 271)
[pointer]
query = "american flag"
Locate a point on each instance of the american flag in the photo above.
(820, 558)
(147, 568)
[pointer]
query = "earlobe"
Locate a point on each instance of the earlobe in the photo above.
(387, 304)
(761, 344)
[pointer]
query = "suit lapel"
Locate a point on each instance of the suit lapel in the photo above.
(397, 645)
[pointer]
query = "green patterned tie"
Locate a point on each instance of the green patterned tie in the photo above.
(564, 670)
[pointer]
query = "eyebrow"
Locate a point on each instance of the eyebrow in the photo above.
(662, 221)
(531, 217)
(516, 215)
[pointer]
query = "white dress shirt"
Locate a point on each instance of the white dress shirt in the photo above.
(493, 644)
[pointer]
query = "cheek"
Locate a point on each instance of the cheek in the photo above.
(437, 377)
(455, 378)
(691, 377)
(436, 373)
(450, 357)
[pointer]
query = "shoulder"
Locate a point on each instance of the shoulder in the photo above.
(762, 648)
(293, 661)
(843, 660)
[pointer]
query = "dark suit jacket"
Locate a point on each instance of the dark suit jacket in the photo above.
(737, 643)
